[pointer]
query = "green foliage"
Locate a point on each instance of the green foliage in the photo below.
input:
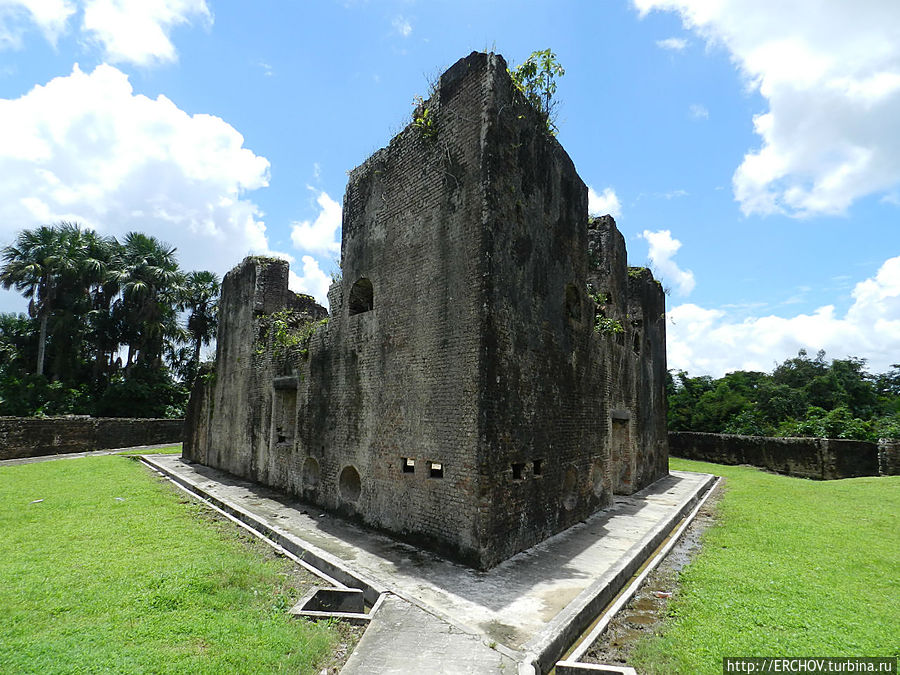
(810, 569)
(287, 332)
(115, 571)
(423, 120)
(802, 397)
(636, 272)
(606, 326)
(536, 79)
(146, 392)
(92, 299)
(836, 423)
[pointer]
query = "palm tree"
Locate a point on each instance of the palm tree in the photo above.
(39, 265)
(200, 298)
(151, 281)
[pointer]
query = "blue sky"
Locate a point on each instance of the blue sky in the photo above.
(749, 149)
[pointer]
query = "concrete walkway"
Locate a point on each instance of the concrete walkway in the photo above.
(404, 639)
(446, 618)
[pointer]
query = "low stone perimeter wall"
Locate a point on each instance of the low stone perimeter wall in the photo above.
(37, 436)
(820, 458)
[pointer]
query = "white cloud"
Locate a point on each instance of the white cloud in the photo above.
(84, 147)
(662, 249)
(704, 341)
(402, 26)
(129, 31)
(608, 202)
(698, 112)
(314, 281)
(138, 31)
(831, 75)
(672, 43)
(320, 235)
(50, 16)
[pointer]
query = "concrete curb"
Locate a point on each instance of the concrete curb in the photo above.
(572, 664)
(565, 629)
(307, 552)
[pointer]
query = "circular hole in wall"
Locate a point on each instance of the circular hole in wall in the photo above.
(310, 472)
(569, 497)
(349, 484)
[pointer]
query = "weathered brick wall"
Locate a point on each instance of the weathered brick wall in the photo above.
(645, 339)
(889, 457)
(634, 360)
(819, 458)
(540, 400)
(458, 396)
(34, 437)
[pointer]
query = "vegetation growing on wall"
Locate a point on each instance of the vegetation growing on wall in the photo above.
(801, 397)
(536, 79)
(287, 331)
(113, 327)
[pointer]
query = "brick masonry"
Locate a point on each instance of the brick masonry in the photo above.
(34, 437)
(459, 395)
(819, 458)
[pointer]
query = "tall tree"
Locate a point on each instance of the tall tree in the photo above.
(38, 265)
(200, 298)
(151, 282)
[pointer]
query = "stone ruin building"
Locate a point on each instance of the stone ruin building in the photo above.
(491, 371)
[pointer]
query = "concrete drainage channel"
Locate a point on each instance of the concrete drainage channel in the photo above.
(344, 600)
(571, 664)
(354, 596)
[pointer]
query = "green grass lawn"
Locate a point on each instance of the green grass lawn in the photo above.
(168, 450)
(115, 571)
(793, 567)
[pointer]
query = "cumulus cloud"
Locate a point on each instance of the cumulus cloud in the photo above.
(138, 32)
(608, 202)
(50, 17)
(128, 31)
(84, 147)
(830, 73)
(321, 234)
(672, 43)
(662, 249)
(314, 281)
(705, 341)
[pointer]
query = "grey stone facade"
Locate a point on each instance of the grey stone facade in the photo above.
(460, 395)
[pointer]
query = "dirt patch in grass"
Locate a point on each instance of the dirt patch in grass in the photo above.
(644, 614)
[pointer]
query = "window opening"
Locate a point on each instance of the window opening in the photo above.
(518, 469)
(537, 467)
(409, 464)
(361, 297)
(435, 470)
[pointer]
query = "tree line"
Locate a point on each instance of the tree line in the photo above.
(802, 396)
(114, 328)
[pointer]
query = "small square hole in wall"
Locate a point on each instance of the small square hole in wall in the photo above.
(408, 464)
(538, 467)
(435, 469)
(518, 470)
